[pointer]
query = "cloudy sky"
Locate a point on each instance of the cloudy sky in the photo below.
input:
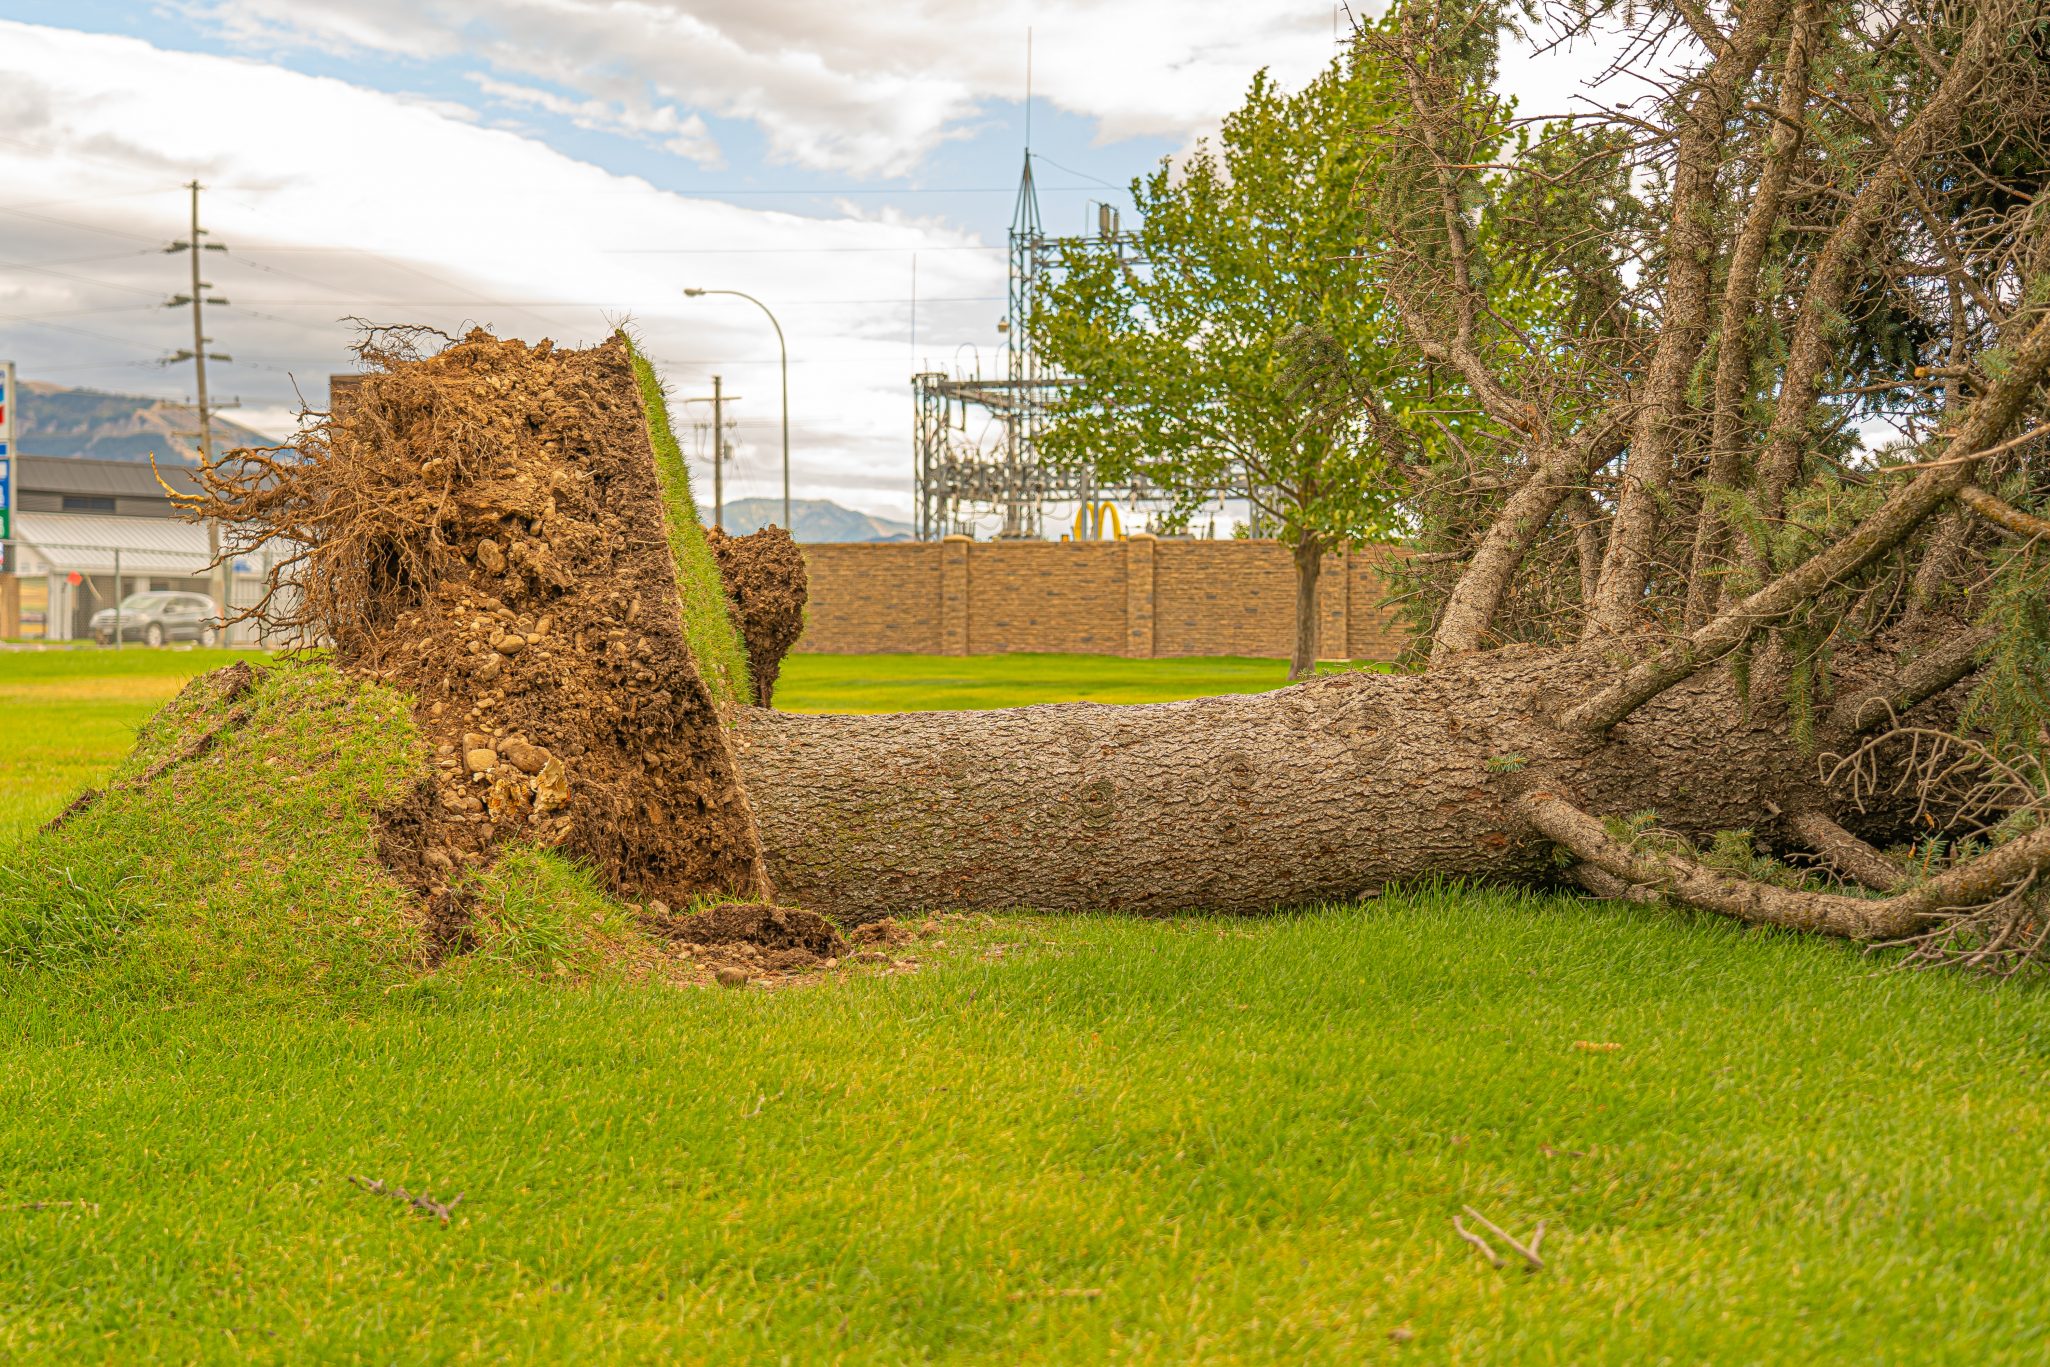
(551, 167)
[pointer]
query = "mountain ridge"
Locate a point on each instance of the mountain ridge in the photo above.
(818, 520)
(94, 424)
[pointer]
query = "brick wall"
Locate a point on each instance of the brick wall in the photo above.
(869, 598)
(1139, 597)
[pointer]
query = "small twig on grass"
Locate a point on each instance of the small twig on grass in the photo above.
(1528, 1252)
(1494, 1258)
(93, 1206)
(424, 1203)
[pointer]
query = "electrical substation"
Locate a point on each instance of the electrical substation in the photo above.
(976, 436)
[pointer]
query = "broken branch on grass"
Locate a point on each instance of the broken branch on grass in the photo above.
(424, 1203)
(1528, 1252)
(1494, 1258)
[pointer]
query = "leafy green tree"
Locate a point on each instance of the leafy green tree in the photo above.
(1232, 344)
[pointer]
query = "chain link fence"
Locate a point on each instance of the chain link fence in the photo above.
(137, 593)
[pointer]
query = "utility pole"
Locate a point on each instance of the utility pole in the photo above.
(718, 452)
(719, 399)
(199, 356)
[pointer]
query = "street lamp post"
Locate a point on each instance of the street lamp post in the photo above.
(785, 352)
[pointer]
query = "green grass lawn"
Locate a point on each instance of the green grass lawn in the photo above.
(70, 715)
(67, 716)
(1073, 1139)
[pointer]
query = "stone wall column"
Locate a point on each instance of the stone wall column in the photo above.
(954, 590)
(1139, 596)
(1334, 605)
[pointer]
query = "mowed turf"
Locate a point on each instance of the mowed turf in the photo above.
(67, 716)
(1061, 1140)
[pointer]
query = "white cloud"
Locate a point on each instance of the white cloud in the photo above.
(341, 201)
(842, 87)
(685, 135)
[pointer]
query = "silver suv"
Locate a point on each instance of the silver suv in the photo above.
(157, 617)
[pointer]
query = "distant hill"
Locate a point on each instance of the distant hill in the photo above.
(85, 423)
(817, 520)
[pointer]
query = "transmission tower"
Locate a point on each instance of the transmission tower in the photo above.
(959, 479)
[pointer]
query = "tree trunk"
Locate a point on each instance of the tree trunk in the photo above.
(1325, 790)
(1309, 563)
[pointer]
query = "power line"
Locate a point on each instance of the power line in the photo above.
(73, 275)
(75, 313)
(596, 304)
(82, 332)
(773, 251)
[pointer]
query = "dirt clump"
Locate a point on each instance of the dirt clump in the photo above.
(737, 943)
(484, 528)
(760, 924)
(765, 582)
(741, 941)
(883, 934)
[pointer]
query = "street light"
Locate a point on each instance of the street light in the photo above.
(785, 350)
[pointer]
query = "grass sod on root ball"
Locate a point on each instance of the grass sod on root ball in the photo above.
(493, 530)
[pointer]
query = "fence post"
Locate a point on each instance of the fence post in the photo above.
(117, 598)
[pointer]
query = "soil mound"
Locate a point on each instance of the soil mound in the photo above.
(485, 529)
(759, 924)
(765, 581)
(743, 941)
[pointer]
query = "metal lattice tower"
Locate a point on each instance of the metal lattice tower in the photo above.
(959, 480)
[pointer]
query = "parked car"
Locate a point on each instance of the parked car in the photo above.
(155, 618)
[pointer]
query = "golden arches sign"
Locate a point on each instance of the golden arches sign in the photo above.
(1089, 520)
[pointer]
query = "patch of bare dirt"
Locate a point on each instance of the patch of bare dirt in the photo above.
(738, 944)
(764, 576)
(739, 941)
(760, 924)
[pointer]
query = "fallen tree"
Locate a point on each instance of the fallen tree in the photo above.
(1682, 637)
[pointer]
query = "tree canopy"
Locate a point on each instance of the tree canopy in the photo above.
(1232, 344)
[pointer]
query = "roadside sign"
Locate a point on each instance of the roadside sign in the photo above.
(7, 406)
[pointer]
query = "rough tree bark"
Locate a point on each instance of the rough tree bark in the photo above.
(1308, 554)
(1325, 790)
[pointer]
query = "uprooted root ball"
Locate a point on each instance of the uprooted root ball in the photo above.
(765, 581)
(484, 529)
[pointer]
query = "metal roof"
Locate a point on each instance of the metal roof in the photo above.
(58, 543)
(122, 478)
